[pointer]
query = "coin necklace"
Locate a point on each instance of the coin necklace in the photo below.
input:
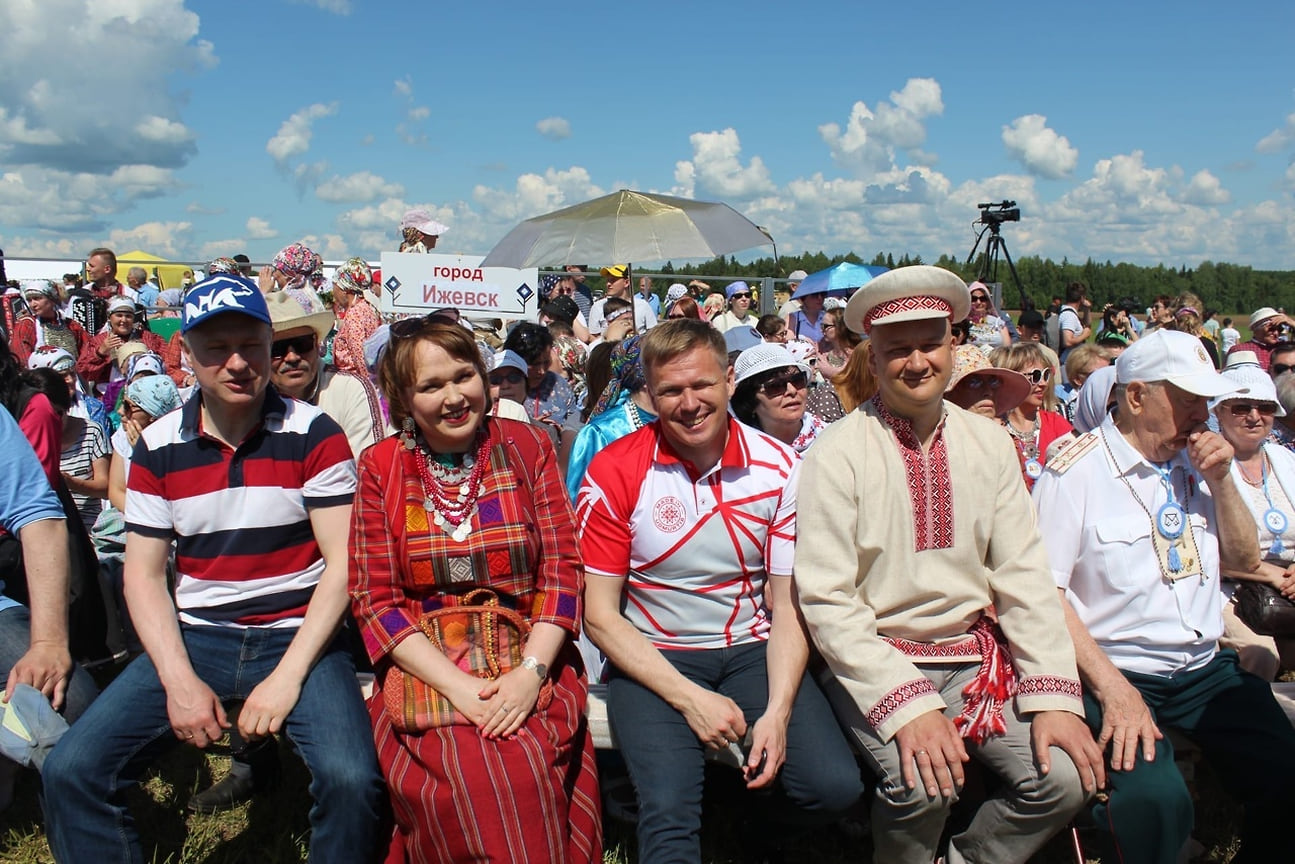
(452, 511)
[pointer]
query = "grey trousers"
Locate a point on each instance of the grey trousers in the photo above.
(1009, 827)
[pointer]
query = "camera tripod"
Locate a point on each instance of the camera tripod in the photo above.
(995, 246)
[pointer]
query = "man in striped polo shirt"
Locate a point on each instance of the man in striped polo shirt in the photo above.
(687, 529)
(255, 490)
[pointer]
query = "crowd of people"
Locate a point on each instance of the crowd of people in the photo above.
(844, 539)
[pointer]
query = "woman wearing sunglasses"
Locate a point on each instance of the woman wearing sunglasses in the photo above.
(1265, 475)
(770, 395)
(986, 326)
(1035, 423)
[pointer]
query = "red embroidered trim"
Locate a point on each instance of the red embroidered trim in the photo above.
(906, 304)
(963, 649)
(1049, 685)
(930, 488)
(898, 698)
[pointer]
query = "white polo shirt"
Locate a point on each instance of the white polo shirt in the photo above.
(1100, 549)
(696, 549)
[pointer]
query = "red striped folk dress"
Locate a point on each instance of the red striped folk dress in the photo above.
(458, 797)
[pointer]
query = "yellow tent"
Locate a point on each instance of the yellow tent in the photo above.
(168, 275)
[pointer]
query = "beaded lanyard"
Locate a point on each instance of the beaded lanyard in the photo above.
(1274, 519)
(1170, 520)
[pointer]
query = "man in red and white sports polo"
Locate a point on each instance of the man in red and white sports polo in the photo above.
(688, 527)
(915, 523)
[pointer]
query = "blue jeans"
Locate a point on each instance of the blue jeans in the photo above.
(665, 757)
(15, 639)
(88, 773)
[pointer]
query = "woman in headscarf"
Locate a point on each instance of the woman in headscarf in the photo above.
(295, 266)
(988, 329)
(47, 326)
(623, 407)
(96, 362)
(357, 317)
(419, 231)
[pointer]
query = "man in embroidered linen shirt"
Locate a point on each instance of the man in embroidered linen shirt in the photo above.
(1144, 608)
(687, 529)
(924, 501)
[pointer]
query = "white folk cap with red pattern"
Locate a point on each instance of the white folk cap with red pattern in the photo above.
(908, 294)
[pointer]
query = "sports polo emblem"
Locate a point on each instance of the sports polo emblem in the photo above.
(668, 514)
(1201, 355)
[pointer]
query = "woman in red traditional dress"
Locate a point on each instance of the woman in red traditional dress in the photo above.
(459, 501)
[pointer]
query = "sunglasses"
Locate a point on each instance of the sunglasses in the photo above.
(983, 382)
(740, 294)
(777, 386)
(979, 298)
(1038, 376)
(1243, 409)
(1280, 369)
(299, 345)
(407, 327)
(512, 376)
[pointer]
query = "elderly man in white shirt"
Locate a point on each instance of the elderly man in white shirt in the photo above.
(1138, 517)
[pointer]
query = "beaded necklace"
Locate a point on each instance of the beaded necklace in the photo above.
(636, 418)
(452, 511)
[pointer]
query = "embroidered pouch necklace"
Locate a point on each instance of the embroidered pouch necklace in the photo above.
(1175, 545)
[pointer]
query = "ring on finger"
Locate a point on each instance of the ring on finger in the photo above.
(920, 753)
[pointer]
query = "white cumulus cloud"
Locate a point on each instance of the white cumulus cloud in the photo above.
(554, 128)
(293, 138)
(1206, 190)
(337, 7)
(361, 187)
(1040, 149)
(1279, 139)
(716, 167)
(871, 140)
(259, 229)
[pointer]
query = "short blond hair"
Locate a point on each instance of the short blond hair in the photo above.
(1021, 356)
(678, 336)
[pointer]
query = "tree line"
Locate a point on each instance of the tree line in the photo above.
(1228, 288)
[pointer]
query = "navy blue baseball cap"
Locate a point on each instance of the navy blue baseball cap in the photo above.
(220, 294)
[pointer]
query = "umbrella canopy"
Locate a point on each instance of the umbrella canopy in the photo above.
(840, 277)
(624, 227)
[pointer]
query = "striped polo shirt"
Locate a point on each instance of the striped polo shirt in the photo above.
(246, 554)
(695, 549)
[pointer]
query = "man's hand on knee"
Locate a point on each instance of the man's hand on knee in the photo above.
(1065, 730)
(1126, 720)
(930, 747)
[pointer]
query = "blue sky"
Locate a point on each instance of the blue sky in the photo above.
(1149, 132)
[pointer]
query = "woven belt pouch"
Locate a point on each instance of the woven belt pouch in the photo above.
(479, 636)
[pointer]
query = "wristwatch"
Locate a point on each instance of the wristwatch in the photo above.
(533, 664)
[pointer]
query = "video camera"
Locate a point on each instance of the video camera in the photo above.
(998, 213)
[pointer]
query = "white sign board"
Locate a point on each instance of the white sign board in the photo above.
(414, 284)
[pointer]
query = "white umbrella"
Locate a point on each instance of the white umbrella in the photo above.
(624, 227)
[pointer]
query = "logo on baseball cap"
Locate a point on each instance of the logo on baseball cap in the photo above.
(220, 294)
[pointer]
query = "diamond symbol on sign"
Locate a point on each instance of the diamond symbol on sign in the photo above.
(392, 284)
(525, 292)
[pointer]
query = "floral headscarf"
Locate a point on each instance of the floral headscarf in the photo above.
(300, 264)
(627, 373)
(353, 277)
(223, 265)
